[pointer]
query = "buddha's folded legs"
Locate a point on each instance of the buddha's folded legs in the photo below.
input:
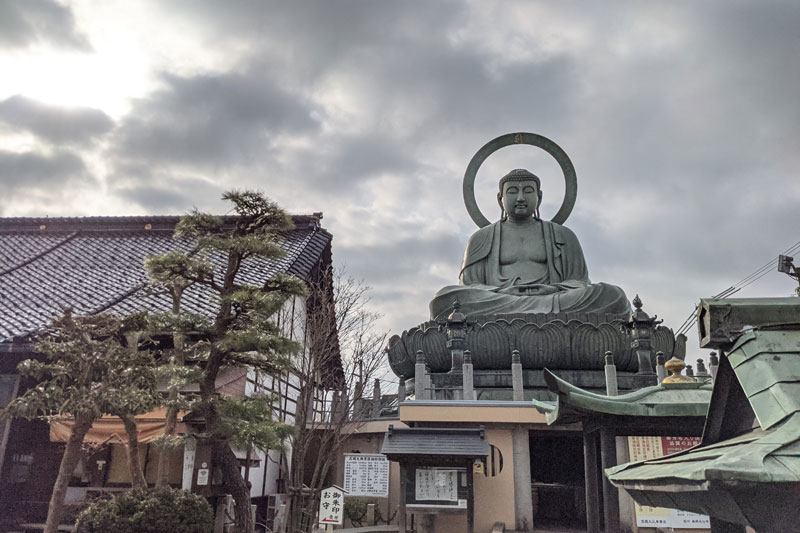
(474, 300)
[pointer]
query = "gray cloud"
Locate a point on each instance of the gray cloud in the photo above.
(682, 121)
(162, 193)
(27, 22)
(210, 121)
(56, 124)
(32, 179)
(31, 169)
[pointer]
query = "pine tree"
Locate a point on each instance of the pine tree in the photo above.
(91, 370)
(242, 332)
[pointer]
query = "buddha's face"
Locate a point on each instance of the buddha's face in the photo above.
(520, 198)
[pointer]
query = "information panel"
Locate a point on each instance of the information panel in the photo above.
(436, 487)
(366, 474)
(437, 484)
(642, 448)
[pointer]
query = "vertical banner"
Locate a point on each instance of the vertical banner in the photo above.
(189, 449)
(643, 448)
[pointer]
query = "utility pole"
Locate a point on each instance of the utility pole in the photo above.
(786, 265)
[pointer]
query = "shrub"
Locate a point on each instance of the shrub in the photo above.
(148, 511)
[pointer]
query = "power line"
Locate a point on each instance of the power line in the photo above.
(754, 276)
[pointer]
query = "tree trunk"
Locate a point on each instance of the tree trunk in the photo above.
(134, 465)
(69, 461)
(171, 421)
(225, 459)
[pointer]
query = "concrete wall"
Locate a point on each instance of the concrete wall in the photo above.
(494, 496)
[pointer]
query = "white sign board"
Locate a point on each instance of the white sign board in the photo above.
(366, 474)
(189, 450)
(641, 448)
(202, 477)
(331, 506)
(436, 484)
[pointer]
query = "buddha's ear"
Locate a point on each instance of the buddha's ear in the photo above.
(500, 199)
(539, 194)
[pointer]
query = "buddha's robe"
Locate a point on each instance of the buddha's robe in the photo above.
(563, 288)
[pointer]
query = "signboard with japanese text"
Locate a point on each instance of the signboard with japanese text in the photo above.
(366, 474)
(431, 487)
(331, 506)
(642, 448)
(437, 484)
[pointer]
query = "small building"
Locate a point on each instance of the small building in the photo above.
(746, 471)
(96, 264)
(489, 374)
(613, 424)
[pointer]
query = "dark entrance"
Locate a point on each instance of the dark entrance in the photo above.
(557, 480)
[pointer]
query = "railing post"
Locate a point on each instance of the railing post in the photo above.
(661, 370)
(612, 389)
(420, 377)
(468, 390)
(516, 377)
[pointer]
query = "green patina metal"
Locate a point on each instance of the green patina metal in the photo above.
(748, 464)
(666, 400)
(767, 367)
(509, 139)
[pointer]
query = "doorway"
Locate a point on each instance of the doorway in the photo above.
(557, 480)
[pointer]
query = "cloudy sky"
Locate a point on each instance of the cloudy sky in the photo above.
(682, 119)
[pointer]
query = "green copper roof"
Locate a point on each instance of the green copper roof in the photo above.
(767, 367)
(747, 469)
(673, 399)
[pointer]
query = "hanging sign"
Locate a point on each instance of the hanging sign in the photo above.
(331, 505)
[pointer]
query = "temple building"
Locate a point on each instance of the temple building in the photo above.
(96, 264)
(528, 379)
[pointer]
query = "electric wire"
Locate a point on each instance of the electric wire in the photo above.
(754, 276)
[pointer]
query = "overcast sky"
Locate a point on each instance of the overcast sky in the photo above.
(682, 119)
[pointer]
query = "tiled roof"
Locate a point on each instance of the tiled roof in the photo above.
(449, 442)
(96, 264)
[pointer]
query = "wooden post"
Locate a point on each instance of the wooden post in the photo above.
(608, 456)
(590, 468)
(470, 499)
(401, 519)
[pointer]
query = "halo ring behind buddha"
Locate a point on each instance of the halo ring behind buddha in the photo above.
(532, 139)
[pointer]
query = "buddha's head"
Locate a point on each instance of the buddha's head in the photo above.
(520, 195)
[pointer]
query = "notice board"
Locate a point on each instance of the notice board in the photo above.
(366, 474)
(436, 487)
(641, 448)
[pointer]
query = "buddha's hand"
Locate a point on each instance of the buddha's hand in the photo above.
(536, 289)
